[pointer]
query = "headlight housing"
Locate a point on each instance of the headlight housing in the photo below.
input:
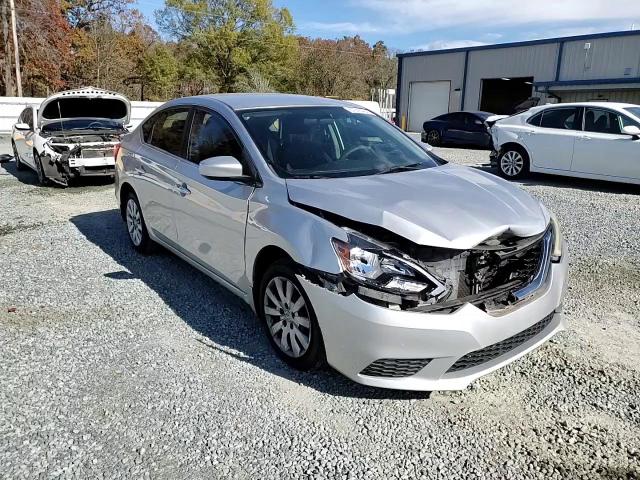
(375, 265)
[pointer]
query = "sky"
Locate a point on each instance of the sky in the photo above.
(407, 25)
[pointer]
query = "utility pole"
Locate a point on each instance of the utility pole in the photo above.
(16, 52)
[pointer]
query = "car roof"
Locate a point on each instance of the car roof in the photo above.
(613, 105)
(248, 101)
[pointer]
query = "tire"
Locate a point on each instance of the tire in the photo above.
(42, 178)
(19, 165)
(136, 226)
(433, 138)
(513, 163)
(289, 319)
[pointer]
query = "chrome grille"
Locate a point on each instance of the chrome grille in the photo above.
(395, 367)
(487, 354)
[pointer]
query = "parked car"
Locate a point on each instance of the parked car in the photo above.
(458, 128)
(71, 134)
(596, 140)
(352, 243)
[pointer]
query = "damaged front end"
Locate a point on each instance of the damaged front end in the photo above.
(67, 157)
(385, 269)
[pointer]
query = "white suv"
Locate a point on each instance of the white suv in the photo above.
(598, 140)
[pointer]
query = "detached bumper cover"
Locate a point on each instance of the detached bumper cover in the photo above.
(446, 351)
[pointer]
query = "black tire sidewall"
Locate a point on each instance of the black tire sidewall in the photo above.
(145, 246)
(314, 357)
(525, 164)
(42, 178)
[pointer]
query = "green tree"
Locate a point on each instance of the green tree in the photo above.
(159, 72)
(233, 37)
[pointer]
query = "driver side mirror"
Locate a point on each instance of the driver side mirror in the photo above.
(632, 130)
(22, 126)
(224, 167)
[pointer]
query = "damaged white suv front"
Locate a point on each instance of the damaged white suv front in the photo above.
(75, 134)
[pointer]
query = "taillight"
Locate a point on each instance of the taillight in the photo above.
(116, 150)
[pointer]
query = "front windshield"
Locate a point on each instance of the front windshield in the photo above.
(318, 142)
(72, 124)
(635, 111)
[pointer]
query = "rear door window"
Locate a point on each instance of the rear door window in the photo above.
(165, 130)
(561, 118)
(535, 120)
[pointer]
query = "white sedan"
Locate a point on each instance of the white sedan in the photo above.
(72, 133)
(597, 140)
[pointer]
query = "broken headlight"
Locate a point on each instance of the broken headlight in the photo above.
(376, 266)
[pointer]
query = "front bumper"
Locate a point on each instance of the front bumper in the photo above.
(357, 334)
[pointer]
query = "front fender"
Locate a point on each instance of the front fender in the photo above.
(304, 236)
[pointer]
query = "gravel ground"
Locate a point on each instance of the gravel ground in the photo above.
(115, 365)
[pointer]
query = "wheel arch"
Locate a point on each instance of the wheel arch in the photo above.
(125, 189)
(266, 257)
(515, 146)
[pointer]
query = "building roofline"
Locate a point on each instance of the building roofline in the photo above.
(592, 36)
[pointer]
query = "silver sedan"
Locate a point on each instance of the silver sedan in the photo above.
(355, 245)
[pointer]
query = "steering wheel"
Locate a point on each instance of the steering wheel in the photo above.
(95, 124)
(352, 150)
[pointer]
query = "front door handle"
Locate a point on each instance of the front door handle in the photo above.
(584, 137)
(183, 190)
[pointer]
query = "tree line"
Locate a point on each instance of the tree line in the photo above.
(201, 46)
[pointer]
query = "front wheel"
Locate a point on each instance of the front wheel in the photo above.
(513, 163)
(289, 318)
(42, 178)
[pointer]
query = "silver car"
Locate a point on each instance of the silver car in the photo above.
(355, 245)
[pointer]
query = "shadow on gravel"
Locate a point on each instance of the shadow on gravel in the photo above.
(225, 320)
(29, 177)
(570, 182)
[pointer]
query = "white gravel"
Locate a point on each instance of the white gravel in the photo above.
(115, 365)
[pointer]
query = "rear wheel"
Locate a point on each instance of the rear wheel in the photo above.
(289, 318)
(19, 164)
(513, 163)
(433, 138)
(136, 226)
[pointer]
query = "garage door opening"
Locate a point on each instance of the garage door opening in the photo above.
(502, 95)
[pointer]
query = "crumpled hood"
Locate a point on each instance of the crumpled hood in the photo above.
(448, 206)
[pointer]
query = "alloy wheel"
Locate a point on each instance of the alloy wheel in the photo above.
(134, 222)
(433, 137)
(511, 163)
(288, 317)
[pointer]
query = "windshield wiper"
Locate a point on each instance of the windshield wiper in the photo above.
(404, 168)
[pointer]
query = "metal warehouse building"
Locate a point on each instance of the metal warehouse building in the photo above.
(496, 78)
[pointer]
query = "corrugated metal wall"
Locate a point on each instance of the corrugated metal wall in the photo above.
(537, 61)
(623, 96)
(611, 57)
(427, 68)
(607, 58)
